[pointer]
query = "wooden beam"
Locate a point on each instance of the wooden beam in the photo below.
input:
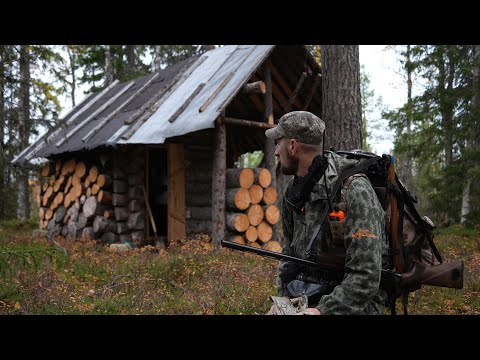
(186, 103)
(279, 78)
(296, 91)
(268, 114)
(257, 87)
(248, 123)
(44, 140)
(218, 182)
(215, 93)
(152, 105)
(312, 92)
(233, 94)
(102, 123)
(279, 102)
(92, 116)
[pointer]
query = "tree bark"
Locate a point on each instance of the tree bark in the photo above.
(23, 209)
(408, 173)
(2, 134)
(158, 57)
(131, 60)
(109, 76)
(341, 100)
(474, 141)
(73, 64)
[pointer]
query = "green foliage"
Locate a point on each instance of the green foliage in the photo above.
(30, 257)
(171, 54)
(439, 143)
(250, 160)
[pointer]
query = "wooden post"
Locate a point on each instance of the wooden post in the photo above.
(295, 92)
(218, 182)
(269, 149)
(268, 115)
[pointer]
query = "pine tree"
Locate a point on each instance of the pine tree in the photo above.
(341, 99)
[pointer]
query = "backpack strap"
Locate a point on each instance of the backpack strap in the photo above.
(341, 178)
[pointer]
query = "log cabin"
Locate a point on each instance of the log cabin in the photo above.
(154, 156)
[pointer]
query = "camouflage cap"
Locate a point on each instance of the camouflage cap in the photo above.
(303, 126)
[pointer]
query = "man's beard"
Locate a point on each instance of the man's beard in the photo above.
(291, 167)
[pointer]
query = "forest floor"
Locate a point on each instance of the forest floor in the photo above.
(191, 277)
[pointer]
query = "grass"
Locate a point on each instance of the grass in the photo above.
(192, 277)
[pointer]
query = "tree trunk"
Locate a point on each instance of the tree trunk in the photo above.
(73, 64)
(23, 209)
(407, 176)
(158, 57)
(473, 167)
(108, 66)
(341, 100)
(2, 134)
(131, 60)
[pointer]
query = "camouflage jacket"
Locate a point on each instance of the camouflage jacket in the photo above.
(364, 243)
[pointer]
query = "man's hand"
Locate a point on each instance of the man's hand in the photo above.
(309, 311)
(273, 310)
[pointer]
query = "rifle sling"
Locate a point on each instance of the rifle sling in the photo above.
(420, 221)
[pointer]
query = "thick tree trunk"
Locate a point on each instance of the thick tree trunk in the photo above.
(341, 100)
(2, 134)
(473, 168)
(23, 206)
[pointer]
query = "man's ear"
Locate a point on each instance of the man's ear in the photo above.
(293, 146)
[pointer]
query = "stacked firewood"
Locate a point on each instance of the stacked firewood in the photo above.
(77, 199)
(251, 210)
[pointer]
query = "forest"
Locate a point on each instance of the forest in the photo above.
(436, 132)
(436, 147)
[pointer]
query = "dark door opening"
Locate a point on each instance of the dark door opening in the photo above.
(157, 191)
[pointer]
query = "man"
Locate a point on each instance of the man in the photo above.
(357, 237)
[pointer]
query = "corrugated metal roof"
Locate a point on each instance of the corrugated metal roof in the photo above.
(227, 67)
(182, 98)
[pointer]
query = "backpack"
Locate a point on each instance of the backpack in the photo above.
(414, 260)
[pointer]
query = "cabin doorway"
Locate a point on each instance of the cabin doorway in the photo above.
(166, 192)
(158, 192)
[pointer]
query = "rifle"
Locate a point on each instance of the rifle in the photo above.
(446, 274)
(397, 247)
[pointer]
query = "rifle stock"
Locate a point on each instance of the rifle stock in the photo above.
(446, 274)
(395, 239)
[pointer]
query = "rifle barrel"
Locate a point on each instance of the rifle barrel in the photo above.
(262, 252)
(228, 244)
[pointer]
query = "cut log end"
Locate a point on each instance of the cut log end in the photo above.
(272, 214)
(270, 195)
(273, 245)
